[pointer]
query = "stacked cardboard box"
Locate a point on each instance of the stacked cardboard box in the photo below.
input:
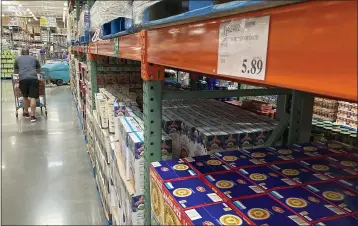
(208, 126)
(306, 184)
(325, 109)
(347, 114)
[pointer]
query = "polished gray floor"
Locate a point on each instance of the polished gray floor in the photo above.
(46, 175)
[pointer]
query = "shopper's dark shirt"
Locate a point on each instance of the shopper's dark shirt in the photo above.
(27, 66)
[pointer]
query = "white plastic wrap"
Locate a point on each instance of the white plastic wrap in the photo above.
(81, 24)
(105, 11)
(138, 9)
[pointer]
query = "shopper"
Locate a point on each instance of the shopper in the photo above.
(28, 67)
(43, 55)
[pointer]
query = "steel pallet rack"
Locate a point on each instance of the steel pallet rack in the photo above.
(312, 51)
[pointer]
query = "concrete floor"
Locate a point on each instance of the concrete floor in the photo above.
(46, 175)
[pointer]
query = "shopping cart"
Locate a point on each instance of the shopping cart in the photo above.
(40, 102)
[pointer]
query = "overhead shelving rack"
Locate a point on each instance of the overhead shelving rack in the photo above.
(311, 51)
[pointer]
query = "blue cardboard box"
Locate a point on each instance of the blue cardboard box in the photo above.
(207, 164)
(266, 178)
(345, 161)
(232, 186)
(263, 210)
(299, 173)
(190, 193)
(217, 214)
(321, 149)
(337, 194)
(328, 168)
(293, 152)
(306, 204)
(172, 169)
(350, 183)
(343, 221)
(161, 172)
(236, 159)
(265, 155)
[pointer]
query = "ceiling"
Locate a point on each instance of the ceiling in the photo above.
(38, 8)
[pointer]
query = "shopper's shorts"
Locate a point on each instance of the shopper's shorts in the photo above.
(29, 88)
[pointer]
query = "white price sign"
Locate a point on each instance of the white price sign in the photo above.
(243, 47)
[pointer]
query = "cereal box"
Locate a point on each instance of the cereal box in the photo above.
(337, 194)
(265, 155)
(161, 172)
(345, 161)
(136, 161)
(232, 186)
(264, 210)
(185, 194)
(207, 164)
(350, 183)
(266, 178)
(299, 173)
(217, 214)
(343, 221)
(328, 168)
(236, 159)
(306, 204)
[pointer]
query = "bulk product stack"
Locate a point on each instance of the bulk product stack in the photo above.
(188, 130)
(307, 184)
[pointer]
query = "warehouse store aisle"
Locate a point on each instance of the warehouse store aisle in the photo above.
(46, 174)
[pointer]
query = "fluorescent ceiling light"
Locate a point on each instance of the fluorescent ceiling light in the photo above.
(28, 10)
(29, 20)
(65, 8)
(2, 15)
(65, 4)
(20, 5)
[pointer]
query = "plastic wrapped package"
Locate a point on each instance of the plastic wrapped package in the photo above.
(81, 24)
(105, 11)
(138, 10)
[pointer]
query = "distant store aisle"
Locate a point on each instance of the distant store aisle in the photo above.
(46, 174)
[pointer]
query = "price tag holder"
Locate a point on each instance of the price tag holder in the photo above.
(243, 47)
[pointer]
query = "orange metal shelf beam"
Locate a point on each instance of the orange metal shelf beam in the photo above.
(103, 47)
(129, 47)
(312, 47)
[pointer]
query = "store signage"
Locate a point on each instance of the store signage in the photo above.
(51, 21)
(243, 47)
(43, 22)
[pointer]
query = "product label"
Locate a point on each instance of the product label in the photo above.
(243, 47)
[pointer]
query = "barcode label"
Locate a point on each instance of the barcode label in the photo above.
(169, 185)
(276, 194)
(239, 205)
(192, 172)
(214, 197)
(312, 188)
(346, 183)
(275, 167)
(320, 176)
(243, 171)
(210, 178)
(332, 159)
(156, 164)
(334, 209)
(256, 189)
(288, 181)
(226, 167)
(189, 159)
(218, 154)
(306, 163)
(193, 214)
(298, 220)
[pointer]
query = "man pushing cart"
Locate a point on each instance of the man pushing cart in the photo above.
(28, 85)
